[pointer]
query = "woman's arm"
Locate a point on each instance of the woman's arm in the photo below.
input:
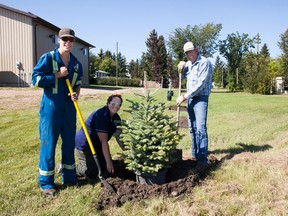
(103, 137)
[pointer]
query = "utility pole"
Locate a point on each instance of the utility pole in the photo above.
(222, 77)
(237, 76)
(116, 63)
(258, 41)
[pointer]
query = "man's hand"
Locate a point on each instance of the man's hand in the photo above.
(62, 73)
(74, 96)
(180, 66)
(180, 99)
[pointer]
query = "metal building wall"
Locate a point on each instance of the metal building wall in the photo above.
(15, 46)
(78, 52)
(24, 38)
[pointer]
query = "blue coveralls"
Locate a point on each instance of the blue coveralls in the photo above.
(57, 117)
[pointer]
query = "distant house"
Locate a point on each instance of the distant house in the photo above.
(24, 37)
(101, 73)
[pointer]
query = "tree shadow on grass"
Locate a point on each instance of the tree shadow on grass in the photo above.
(239, 148)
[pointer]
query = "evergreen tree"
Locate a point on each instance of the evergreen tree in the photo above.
(122, 66)
(156, 56)
(149, 135)
(101, 54)
(264, 51)
(163, 59)
(171, 72)
(218, 73)
(134, 69)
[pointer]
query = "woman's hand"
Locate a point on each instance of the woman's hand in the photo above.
(110, 167)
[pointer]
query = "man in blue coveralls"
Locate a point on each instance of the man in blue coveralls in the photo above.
(57, 111)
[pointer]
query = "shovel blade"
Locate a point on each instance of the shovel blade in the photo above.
(100, 176)
(107, 185)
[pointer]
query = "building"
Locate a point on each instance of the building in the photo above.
(24, 38)
(101, 73)
(279, 87)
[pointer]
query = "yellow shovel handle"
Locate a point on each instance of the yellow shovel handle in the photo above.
(81, 118)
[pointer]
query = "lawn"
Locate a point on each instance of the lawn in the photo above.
(248, 132)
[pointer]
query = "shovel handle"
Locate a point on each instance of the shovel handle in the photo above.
(178, 107)
(81, 118)
(102, 179)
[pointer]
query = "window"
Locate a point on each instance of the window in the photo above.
(85, 51)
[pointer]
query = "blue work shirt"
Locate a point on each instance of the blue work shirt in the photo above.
(98, 121)
(43, 74)
(199, 77)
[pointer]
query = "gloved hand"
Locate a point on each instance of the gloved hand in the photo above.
(180, 66)
(180, 99)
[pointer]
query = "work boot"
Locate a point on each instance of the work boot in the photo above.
(65, 185)
(49, 191)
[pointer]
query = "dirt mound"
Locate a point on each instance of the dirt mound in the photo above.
(180, 180)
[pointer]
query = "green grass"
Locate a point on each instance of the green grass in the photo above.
(248, 130)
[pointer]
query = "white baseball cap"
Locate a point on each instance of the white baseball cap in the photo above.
(188, 46)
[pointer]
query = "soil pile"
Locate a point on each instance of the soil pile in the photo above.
(180, 178)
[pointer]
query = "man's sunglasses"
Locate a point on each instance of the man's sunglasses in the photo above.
(65, 39)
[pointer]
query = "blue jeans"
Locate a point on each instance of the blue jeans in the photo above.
(197, 118)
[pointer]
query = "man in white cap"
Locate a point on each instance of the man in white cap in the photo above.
(198, 71)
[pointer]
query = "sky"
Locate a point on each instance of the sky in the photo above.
(125, 25)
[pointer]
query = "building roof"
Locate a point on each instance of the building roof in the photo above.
(39, 20)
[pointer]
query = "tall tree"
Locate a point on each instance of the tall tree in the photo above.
(218, 72)
(156, 56)
(204, 37)
(101, 54)
(250, 70)
(134, 69)
(163, 58)
(256, 72)
(172, 72)
(265, 51)
(92, 65)
(108, 65)
(144, 66)
(233, 48)
(120, 60)
(283, 45)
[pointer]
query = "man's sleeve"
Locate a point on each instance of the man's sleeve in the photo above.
(42, 75)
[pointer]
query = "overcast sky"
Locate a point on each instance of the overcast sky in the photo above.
(103, 23)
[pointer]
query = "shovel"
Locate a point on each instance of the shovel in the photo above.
(178, 107)
(102, 179)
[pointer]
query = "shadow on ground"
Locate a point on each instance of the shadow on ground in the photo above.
(239, 148)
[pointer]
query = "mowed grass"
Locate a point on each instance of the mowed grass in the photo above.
(247, 132)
